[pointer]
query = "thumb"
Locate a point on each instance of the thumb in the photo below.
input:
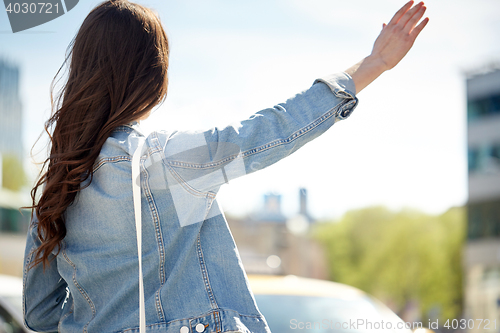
(383, 25)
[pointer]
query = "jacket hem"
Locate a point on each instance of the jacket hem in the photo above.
(216, 321)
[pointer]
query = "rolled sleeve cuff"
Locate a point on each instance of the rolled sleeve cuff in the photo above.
(342, 85)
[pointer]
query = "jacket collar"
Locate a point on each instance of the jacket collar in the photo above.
(132, 126)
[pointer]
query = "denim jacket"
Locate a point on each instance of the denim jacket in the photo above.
(194, 280)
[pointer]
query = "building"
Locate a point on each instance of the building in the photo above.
(271, 243)
(10, 111)
(271, 212)
(13, 225)
(482, 250)
(11, 148)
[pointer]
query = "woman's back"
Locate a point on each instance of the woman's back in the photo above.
(193, 276)
(187, 270)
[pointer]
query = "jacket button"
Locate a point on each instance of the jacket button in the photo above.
(200, 328)
(184, 329)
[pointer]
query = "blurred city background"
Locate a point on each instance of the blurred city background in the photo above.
(401, 200)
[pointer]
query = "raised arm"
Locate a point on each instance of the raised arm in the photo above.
(393, 43)
(199, 163)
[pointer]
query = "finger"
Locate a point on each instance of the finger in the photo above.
(401, 12)
(414, 20)
(414, 33)
(383, 26)
(409, 14)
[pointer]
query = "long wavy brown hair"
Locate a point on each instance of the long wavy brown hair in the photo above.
(117, 74)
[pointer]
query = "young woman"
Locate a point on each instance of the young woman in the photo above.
(83, 249)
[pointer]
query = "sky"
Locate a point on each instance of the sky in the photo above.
(403, 146)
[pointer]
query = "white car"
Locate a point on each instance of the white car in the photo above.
(11, 305)
(294, 304)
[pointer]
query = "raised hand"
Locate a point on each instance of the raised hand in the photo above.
(398, 36)
(393, 43)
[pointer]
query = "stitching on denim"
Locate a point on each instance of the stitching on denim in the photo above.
(209, 313)
(267, 146)
(204, 273)
(332, 112)
(256, 316)
(29, 258)
(209, 206)
(80, 288)
(157, 325)
(216, 323)
(159, 307)
(183, 183)
(159, 238)
(65, 316)
(115, 159)
(121, 129)
(156, 141)
(155, 147)
(151, 150)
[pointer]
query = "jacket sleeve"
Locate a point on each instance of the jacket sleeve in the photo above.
(44, 292)
(203, 161)
(197, 164)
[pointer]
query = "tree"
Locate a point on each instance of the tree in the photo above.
(399, 256)
(13, 176)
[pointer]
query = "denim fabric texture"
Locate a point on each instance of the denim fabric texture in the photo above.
(192, 270)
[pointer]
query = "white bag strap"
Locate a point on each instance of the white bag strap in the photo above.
(136, 191)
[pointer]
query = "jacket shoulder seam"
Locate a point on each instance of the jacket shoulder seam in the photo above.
(114, 159)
